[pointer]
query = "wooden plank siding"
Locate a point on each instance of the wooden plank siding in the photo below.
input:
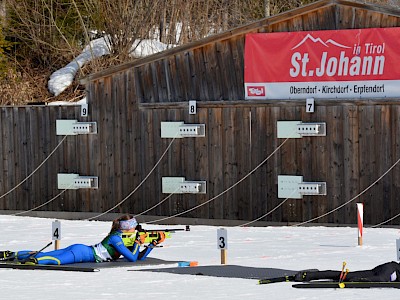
(28, 137)
(361, 145)
(239, 156)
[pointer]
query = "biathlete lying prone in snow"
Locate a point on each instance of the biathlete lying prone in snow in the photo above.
(110, 248)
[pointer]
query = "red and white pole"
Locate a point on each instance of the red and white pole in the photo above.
(360, 221)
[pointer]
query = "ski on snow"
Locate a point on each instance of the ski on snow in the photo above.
(276, 279)
(47, 267)
(284, 278)
(343, 285)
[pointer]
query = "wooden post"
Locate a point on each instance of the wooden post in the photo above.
(56, 234)
(222, 243)
(223, 256)
(360, 221)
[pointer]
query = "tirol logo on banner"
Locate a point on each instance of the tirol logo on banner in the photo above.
(357, 63)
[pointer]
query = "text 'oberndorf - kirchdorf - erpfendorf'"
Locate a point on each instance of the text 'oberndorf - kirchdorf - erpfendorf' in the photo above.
(338, 89)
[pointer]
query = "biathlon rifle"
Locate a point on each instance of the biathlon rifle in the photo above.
(151, 235)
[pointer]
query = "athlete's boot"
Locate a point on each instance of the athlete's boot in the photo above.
(29, 261)
(6, 255)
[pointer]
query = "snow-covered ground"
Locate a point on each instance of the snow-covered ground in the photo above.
(293, 248)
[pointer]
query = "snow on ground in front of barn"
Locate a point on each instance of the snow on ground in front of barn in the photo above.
(293, 248)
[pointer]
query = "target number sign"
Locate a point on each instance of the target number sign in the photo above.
(192, 107)
(56, 230)
(398, 249)
(222, 239)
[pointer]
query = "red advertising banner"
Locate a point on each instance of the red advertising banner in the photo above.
(357, 63)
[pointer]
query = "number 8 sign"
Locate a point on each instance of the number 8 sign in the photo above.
(192, 107)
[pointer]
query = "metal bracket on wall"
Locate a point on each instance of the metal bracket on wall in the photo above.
(182, 130)
(73, 127)
(179, 185)
(74, 182)
(312, 188)
(298, 129)
(293, 187)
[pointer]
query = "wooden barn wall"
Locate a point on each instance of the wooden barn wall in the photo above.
(31, 159)
(360, 146)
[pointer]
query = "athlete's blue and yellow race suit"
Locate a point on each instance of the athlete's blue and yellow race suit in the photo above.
(110, 248)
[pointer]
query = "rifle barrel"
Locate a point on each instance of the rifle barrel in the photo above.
(168, 229)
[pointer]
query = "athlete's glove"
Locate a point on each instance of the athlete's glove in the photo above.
(160, 239)
(141, 237)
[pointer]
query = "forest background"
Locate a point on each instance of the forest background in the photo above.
(38, 37)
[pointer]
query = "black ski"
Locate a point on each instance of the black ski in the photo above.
(47, 267)
(284, 278)
(277, 279)
(343, 285)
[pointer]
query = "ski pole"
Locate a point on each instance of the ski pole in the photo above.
(33, 254)
(345, 274)
(341, 280)
(341, 273)
(37, 252)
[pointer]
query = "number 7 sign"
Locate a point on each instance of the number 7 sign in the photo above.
(310, 105)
